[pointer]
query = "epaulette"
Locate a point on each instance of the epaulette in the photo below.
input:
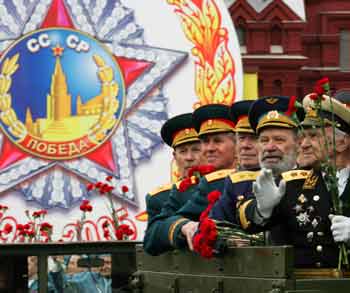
(295, 175)
(219, 174)
(244, 176)
(193, 181)
(161, 189)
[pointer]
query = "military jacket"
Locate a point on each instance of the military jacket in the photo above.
(156, 199)
(199, 201)
(164, 230)
(159, 228)
(236, 186)
(303, 215)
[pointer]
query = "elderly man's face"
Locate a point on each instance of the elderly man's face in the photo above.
(315, 143)
(277, 149)
(247, 150)
(219, 150)
(186, 156)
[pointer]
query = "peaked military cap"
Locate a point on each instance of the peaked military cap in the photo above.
(275, 111)
(332, 111)
(213, 118)
(179, 130)
(239, 112)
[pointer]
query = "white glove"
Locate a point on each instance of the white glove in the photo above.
(340, 228)
(267, 193)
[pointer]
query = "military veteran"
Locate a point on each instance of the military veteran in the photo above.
(179, 133)
(215, 128)
(302, 202)
(274, 120)
(248, 161)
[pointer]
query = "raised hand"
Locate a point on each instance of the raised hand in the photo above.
(267, 193)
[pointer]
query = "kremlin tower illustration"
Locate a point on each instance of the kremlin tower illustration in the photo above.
(59, 123)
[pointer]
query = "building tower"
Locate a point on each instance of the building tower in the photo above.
(58, 101)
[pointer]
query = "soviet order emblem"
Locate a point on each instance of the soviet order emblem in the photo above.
(61, 93)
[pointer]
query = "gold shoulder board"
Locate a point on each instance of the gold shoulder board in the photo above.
(193, 181)
(244, 176)
(161, 189)
(219, 174)
(295, 175)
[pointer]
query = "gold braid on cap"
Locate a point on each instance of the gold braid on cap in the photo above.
(275, 118)
(243, 125)
(184, 135)
(216, 125)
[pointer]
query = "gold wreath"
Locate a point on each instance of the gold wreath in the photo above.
(109, 91)
(7, 115)
(214, 76)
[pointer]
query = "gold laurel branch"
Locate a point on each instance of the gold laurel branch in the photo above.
(214, 67)
(7, 115)
(109, 92)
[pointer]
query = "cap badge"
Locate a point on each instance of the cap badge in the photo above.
(271, 101)
(273, 114)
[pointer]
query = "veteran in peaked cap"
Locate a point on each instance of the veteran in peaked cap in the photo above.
(332, 111)
(239, 112)
(215, 127)
(246, 139)
(179, 130)
(275, 111)
(213, 118)
(179, 133)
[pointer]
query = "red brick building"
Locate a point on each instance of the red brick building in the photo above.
(292, 43)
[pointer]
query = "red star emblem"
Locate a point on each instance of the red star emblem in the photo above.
(58, 16)
(57, 50)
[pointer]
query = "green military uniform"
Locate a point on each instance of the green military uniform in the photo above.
(156, 199)
(176, 131)
(239, 183)
(165, 229)
(161, 227)
(192, 210)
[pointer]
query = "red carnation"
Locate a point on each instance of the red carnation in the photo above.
(206, 169)
(322, 86)
(185, 184)
(206, 251)
(105, 224)
(126, 229)
(200, 170)
(106, 234)
(125, 189)
(213, 196)
(85, 206)
(205, 213)
(207, 226)
(45, 226)
(90, 186)
(193, 170)
(109, 178)
(213, 235)
(313, 96)
(119, 234)
(8, 228)
(197, 241)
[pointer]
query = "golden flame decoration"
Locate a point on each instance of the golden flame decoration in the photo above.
(214, 68)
